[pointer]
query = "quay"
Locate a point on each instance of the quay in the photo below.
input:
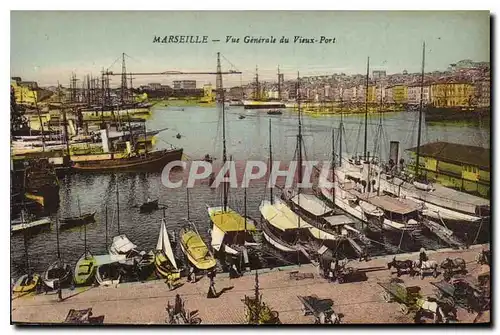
(145, 303)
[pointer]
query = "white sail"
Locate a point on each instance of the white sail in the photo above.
(121, 245)
(164, 244)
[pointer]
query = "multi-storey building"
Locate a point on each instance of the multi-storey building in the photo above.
(482, 93)
(452, 94)
(414, 94)
(184, 84)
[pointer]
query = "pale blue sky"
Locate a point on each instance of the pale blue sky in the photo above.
(47, 46)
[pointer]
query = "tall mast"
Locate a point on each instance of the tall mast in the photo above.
(257, 88)
(270, 164)
(245, 206)
(41, 123)
(27, 255)
(65, 124)
(57, 239)
(224, 153)
(366, 107)
(88, 90)
(341, 128)
(299, 136)
(117, 205)
(333, 165)
(124, 79)
(131, 92)
(279, 83)
(187, 201)
(420, 111)
(106, 222)
(299, 145)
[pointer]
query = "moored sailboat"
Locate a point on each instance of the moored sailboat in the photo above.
(165, 263)
(86, 265)
(58, 270)
(195, 249)
(29, 281)
(230, 230)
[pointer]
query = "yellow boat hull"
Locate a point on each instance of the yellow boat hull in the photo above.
(196, 250)
(25, 285)
(36, 198)
(172, 274)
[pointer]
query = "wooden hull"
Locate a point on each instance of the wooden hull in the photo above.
(275, 241)
(57, 271)
(149, 206)
(162, 270)
(85, 269)
(205, 263)
(154, 162)
(25, 284)
(76, 221)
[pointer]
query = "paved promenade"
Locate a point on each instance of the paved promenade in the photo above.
(144, 303)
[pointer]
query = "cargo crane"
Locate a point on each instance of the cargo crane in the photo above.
(219, 74)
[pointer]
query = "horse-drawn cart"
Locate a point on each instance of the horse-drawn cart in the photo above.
(406, 296)
(410, 300)
(320, 308)
(464, 293)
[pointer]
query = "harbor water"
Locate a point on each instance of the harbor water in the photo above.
(200, 129)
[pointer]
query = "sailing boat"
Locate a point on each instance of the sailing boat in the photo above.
(439, 202)
(312, 210)
(86, 265)
(280, 226)
(132, 160)
(230, 231)
(58, 270)
(165, 263)
(81, 219)
(121, 245)
(27, 282)
(193, 247)
(112, 268)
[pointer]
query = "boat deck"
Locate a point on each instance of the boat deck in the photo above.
(458, 196)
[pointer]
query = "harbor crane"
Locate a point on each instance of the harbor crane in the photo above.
(219, 74)
(170, 73)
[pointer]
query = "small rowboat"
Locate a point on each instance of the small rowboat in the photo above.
(26, 283)
(422, 186)
(274, 112)
(77, 220)
(149, 206)
(57, 271)
(85, 269)
(195, 249)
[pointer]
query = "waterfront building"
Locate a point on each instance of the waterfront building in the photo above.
(482, 93)
(184, 84)
(388, 95)
(155, 86)
(452, 94)
(414, 91)
(400, 94)
(28, 92)
(458, 166)
(208, 93)
(372, 93)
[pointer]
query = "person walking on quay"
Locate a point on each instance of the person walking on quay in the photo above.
(211, 290)
(191, 277)
(422, 256)
(57, 285)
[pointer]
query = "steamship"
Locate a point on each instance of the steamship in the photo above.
(125, 158)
